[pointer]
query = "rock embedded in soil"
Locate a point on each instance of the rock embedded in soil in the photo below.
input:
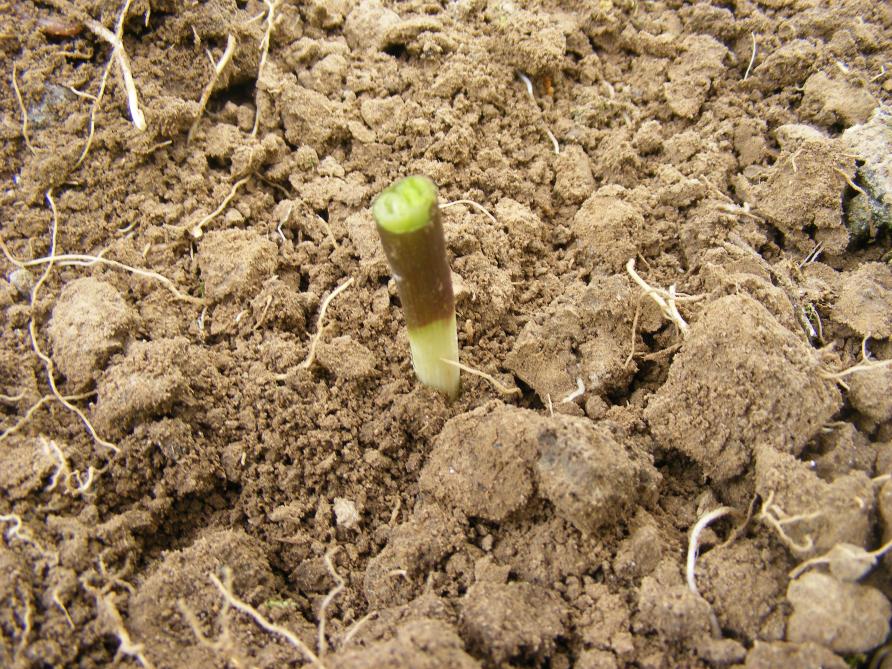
(846, 617)
(512, 620)
(865, 301)
(740, 378)
(235, 263)
(90, 322)
(420, 643)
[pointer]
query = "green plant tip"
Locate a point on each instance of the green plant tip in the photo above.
(406, 205)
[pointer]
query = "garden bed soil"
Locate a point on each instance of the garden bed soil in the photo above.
(234, 465)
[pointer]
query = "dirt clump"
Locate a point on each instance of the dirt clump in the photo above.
(792, 655)
(91, 321)
(845, 617)
(705, 410)
(234, 263)
(422, 643)
(511, 620)
(865, 301)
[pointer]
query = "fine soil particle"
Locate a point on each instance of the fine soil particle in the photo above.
(198, 467)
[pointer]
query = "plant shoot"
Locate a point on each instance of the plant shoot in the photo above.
(408, 222)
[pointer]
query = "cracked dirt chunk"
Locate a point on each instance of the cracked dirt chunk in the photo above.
(157, 622)
(607, 230)
(845, 617)
(482, 461)
(488, 292)
(865, 301)
(574, 181)
(792, 656)
(740, 379)
(588, 475)
(90, 322)
(672, 610)
(235, 263)
(149, 381)
(512, 620)
(743, 590)
(367, 24)
(397, 574)
(583, 334)
(843, 507)
(422, 644)
(692, 73)
(25, 468)
(786, 66)
(830, 102)
(869, 393)
(802, 192)
(531, 42)
(346, 359)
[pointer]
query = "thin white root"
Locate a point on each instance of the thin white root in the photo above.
(694, 543)
(19, 531)
(501, 387)
(81, 484)
(579, 392)
(846, 561)
(83, 260)
(272, 628)
(219, 66)
(58, 602)
(196, 231)
(311, 354)
(529, 84)
(329, 598)
(115, 39)
(12, 429)
(355, 627)
(864, 365)
(271, 6)
(22, 108)
(470, 203)
(126, 646)
(666, 299)
(774, 516)
(749, 68)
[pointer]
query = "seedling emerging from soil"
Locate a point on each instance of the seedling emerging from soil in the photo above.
(408, 222)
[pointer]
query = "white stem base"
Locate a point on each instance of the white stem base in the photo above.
(430, 345)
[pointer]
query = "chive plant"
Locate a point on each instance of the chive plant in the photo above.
(408, 222)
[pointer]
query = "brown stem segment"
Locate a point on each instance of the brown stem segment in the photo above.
(422, 275)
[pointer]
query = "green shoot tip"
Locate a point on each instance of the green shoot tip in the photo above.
(406, 205)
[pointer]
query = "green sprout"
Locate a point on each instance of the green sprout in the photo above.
(408, 222)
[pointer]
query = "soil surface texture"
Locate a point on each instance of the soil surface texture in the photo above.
(669, 228)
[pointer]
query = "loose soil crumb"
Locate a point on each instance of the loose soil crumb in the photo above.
(738, 153)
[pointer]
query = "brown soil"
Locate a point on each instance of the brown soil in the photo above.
(231, 483)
